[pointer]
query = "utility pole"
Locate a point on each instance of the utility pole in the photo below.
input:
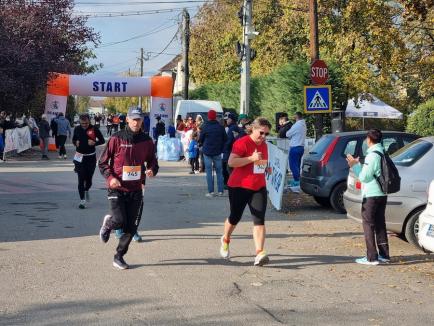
(185, 52)
(314, 55)
(245, 61)
(141, 73)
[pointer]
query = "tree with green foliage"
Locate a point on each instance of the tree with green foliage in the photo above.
(421, 121)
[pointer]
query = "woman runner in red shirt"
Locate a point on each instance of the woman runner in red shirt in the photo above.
(247, 186)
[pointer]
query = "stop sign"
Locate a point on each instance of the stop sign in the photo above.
(319, 72)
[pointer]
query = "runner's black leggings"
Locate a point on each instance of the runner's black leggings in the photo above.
(85, 171)
(126, 212)
(257, 201)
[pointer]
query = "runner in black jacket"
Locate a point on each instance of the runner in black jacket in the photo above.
(86, 138)
(127, 160)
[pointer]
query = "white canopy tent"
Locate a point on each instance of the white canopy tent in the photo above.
(369, 106)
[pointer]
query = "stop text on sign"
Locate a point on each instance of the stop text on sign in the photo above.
(319, 72)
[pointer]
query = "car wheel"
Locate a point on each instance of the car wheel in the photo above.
(412, 228)
(337, 197)
(323, 201)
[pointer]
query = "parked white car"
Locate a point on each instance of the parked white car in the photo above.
(426, 223)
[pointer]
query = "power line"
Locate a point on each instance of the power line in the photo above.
(112, 14)
(136, 36)
(165, 48)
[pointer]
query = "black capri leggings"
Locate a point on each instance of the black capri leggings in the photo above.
(256, 199)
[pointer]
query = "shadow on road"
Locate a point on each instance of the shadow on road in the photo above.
(276, 261)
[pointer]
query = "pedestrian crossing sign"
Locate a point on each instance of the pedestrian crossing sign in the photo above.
(318, 99)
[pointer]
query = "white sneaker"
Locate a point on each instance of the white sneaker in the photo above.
(224, 248)
(220, 194)
(261, 259)
(365, 261)
(65, 157)
(196, 172)
(209, 194)
(60, 156)
(82, 204)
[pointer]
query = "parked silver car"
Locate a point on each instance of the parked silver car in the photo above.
(415, 165)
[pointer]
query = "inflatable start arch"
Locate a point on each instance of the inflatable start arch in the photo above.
(159, 88)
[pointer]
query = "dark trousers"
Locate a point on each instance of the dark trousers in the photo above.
(194, 163)
(109, 130)
(60, 141)
(126, 212)
(85, 170)
(225, 167)
(201, 161)
(374, 227)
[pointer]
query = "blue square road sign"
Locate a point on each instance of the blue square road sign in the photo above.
(318, 99)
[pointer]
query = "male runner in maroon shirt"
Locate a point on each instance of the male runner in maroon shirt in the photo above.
(127, 160)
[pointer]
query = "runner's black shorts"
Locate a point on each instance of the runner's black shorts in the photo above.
(256, 199)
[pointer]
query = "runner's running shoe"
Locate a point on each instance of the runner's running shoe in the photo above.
(118, 233)
(137, 237)
(382, 259)
(365, 261)
(104, 232)
(119, 263)
(224, 248)
(209, 194)
(261, 259)
(82, 204)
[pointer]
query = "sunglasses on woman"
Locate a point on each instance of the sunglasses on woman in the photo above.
(263, 133)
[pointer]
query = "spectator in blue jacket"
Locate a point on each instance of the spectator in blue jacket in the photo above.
(213, 138)
(231, 132)
(193, 153)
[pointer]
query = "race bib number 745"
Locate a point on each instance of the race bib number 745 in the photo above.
(131, 173)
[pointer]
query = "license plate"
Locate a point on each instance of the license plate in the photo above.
(430, 232)
(306, 168)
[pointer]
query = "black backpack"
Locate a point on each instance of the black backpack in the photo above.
(389, 179)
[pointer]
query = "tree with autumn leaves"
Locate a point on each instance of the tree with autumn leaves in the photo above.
(378, 46)
(38, 37)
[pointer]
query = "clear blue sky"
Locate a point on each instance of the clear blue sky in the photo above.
(139, 19)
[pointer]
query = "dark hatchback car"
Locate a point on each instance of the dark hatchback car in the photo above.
(325, 169)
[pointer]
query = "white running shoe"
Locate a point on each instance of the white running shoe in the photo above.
(261, 259)
(209, 194)
(224, 248)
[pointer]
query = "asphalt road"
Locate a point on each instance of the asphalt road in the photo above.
(55, 271)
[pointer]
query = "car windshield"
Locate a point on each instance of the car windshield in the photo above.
(411, 153)
(321, 145)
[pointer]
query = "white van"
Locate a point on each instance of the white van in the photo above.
(193, 108)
